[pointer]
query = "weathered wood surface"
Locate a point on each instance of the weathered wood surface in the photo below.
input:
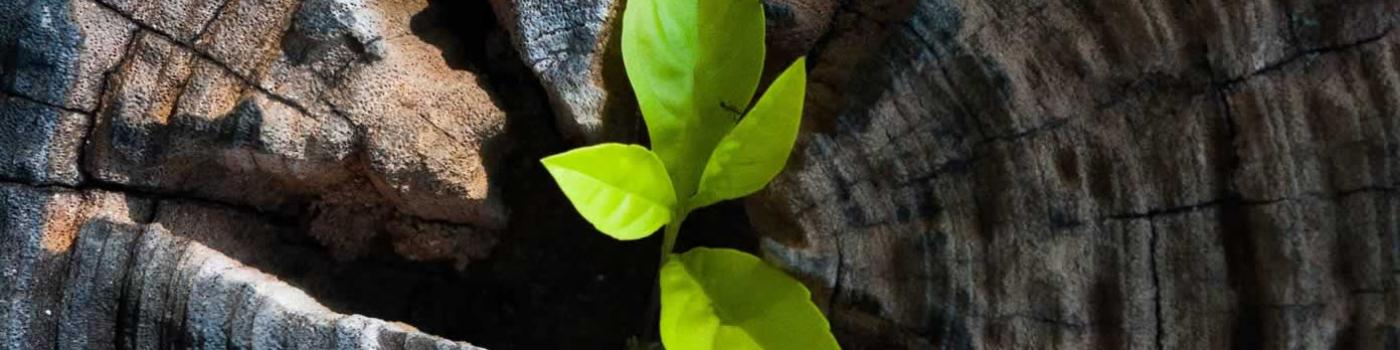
(87, 270)
(352, 127)
(266, 104)
(1100, 174)
(972, 173)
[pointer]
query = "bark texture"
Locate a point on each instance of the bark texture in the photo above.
(296, 137)
(971, 173)
(572, 46)
(87, 270)
(265, 104)
(1099, 174)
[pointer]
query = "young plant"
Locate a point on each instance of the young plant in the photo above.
(695, 66)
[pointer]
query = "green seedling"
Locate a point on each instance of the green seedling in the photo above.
(695, 66)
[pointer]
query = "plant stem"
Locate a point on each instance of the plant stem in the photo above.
(673, 230)
(668, 243)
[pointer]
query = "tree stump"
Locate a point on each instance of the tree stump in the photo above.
(970, 174)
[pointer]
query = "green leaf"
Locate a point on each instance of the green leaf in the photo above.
(621, 189)
(756, 150)
(727, 299)
(694, 66)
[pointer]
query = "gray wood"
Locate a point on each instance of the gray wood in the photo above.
(1098, 174)
(95, 277)
(971, 174)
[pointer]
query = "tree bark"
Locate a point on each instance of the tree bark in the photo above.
(1099, 174)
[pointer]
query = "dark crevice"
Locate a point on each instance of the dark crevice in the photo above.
(462, 31)
(553, 283)
(154, 212)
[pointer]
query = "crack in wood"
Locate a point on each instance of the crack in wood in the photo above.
(1313, 52)
(1154, 249)
(108, 77)
(121, 323)
(10, 93)
(439, 128)
(210, 58)
(153, 194)
(1076, 326)
(218, 13)
(1217, 87)
(1231, 200)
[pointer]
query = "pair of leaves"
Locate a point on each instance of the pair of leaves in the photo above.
(726, 299)
(628, 192)
(695, 66)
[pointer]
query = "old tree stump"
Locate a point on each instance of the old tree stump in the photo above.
(971, 174)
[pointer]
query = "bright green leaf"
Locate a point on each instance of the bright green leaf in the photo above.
(727, 299)
(623, 190)
(756, 150)
(694, 65)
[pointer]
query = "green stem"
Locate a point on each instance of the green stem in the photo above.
(669, 243)
(673, 230)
